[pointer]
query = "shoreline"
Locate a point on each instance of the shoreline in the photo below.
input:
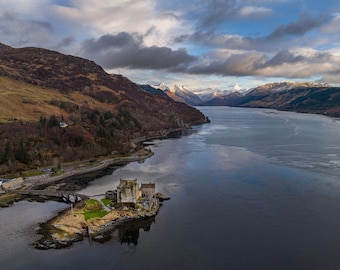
(83, 175)
(69, 225)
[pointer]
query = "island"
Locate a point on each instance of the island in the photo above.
(93, 218)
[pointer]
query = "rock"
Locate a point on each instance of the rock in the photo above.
(161, 197)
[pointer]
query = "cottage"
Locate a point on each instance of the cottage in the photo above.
(63, 125)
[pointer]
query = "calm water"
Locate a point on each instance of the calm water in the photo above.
(255, 189)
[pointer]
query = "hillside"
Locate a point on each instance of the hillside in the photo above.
(298, 97)
(100, 112)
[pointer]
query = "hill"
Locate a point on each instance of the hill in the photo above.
(61, 107)
(288, 96)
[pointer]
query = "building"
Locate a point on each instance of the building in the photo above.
(63, 125)
(128, 191)
(111, 195)
(148, 190)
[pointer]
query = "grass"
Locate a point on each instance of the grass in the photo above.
(14, 93)
(33, 173)
(96, 213)
(9, 198)
(106, 202)
(92, 204)
(93, 209)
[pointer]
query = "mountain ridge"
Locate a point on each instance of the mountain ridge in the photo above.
(289, 96)
(40, 88)
(179, 93)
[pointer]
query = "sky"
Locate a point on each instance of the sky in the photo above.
(200, 44)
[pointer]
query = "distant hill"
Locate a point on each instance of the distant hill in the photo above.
(289, 96)
(211, 93)
(100, 113)
(180, 93)
(152, 90)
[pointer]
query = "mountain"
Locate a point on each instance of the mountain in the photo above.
(61, 107)
(180, 93)
(185, 94)
(290, 96)
(154, 91)
(208, 94)
(162, 86)
(231, 99)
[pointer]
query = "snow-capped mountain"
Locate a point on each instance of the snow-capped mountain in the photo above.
(180, 93)
(286, 86)
(288, 96)
(161, 86)
(211, 93)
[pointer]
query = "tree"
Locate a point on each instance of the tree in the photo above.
(52, 122)
(42, 120)
(22, 154)
(7, 153)
(79, 140)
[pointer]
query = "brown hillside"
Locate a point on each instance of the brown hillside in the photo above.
(40, 88)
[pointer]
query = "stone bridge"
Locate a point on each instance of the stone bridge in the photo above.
(66, 196)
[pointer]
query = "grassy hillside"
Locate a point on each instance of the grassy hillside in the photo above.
(103, 112)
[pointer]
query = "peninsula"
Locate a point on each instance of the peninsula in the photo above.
(93, 218)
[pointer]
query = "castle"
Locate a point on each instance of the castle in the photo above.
(131, 194)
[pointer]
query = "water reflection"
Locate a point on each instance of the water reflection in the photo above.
(129, 233)
(126, 233)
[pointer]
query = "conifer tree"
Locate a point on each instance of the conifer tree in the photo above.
(7, 153)
(22, 154)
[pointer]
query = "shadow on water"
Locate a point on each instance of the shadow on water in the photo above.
(172, 135)
(126, 233)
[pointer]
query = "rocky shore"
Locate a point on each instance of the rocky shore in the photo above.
(70, 226)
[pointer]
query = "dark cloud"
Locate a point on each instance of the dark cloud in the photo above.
(217, 11)
(304, 24)
(287, 57)
(110, 42)
(65, 42)
(234, 65)
(253, 64)
(127, 50)
(283, 57)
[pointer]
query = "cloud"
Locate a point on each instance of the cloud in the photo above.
(333, 77)
(216, 11)
(98, 18)
(283, 64)
(283, 57)
(24, 32)
(66, 42)
(304, 24)
(211, 14)
(282, 36)
(255, 12)
(179, 39)
(234, 65)
(127, 50)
